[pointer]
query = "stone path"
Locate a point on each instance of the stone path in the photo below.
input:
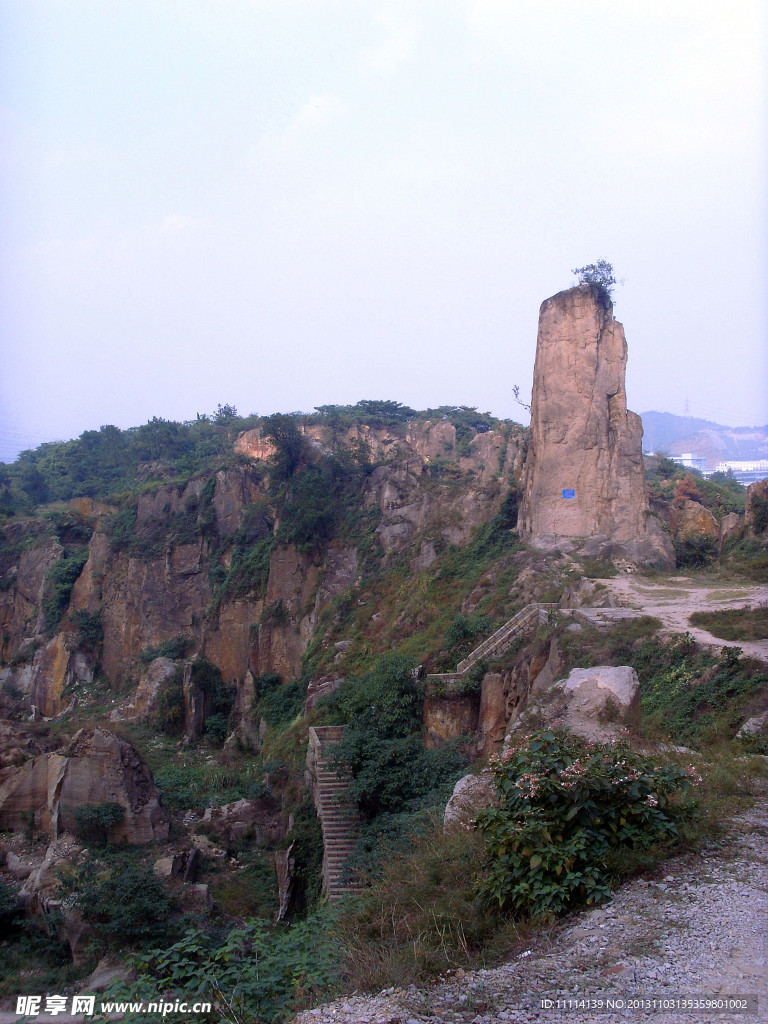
(675, 598)
(698, 929)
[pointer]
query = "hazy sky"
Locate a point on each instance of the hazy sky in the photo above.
(285, 204)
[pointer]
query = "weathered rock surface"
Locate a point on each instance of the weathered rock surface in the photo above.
(492, 717)
(755, 725)
(298, 589)
(246, 731)
(600, 704)
(95, 768)
(258, 817)
(109, 970)
(147, 602)
(583, 439)
(182, 865)
(230, 644)
(55, 667)
(21, 741)
(324, 686)
(754, 516)
(449, 716)
(690, 518)
(731, 526)
(471, 794)
(24, 584)
(144, 703)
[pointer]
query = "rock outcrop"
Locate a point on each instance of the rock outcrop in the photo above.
(144, 703)
(584, 483)
(688, 518)
(94, 768)
(601, 704)
(755, 515)
(471, 794)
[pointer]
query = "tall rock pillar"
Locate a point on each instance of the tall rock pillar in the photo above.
(583, 483)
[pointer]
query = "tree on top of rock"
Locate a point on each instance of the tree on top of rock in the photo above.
(599, 274)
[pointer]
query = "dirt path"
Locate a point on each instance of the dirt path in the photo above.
(676, 598)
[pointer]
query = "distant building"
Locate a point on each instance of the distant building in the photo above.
(746, 471)
(690, 461)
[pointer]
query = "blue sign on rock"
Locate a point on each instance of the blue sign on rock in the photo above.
(569, 492)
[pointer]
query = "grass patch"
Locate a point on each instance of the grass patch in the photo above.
(187, 784)
(734, 623)
(421, 918)
(251, 892)
(748, 558)
(598, 568)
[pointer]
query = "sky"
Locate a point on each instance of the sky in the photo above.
(281, 204)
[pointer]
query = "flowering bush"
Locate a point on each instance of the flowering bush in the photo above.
(564, 809)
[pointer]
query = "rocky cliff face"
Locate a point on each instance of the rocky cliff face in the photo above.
(429, 489)
(584, 481)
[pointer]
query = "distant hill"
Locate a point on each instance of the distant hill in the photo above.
(663, 431)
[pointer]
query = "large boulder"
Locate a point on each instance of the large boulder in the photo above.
(690, 518)
(754, 726)
(471, 794)
(601, 704)
(95, 768)
(584, 487)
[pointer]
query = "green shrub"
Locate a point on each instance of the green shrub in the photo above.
(121, 528)
(382, 747)
(93, 821)
(90, 629)
(280, 703)
(8, 904)
(60, 580)
(219, 698)
(184, 784)
(695, 551)
(465, 633)
(124, 902)
(749, 558)
(249, 569)
(306, 836)
(420, 916)
(216, 727)
(174, 649)
(390, 774)
(384, 702)
(692, 696)
(253, 974)
(759, 513)
(33, 950)
(565, 809)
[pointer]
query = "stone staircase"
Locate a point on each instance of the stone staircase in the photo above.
(339, 818)
(526, 620)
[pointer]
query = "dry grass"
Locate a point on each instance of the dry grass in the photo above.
(421, 918)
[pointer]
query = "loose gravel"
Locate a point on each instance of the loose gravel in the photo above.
(697, 931)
